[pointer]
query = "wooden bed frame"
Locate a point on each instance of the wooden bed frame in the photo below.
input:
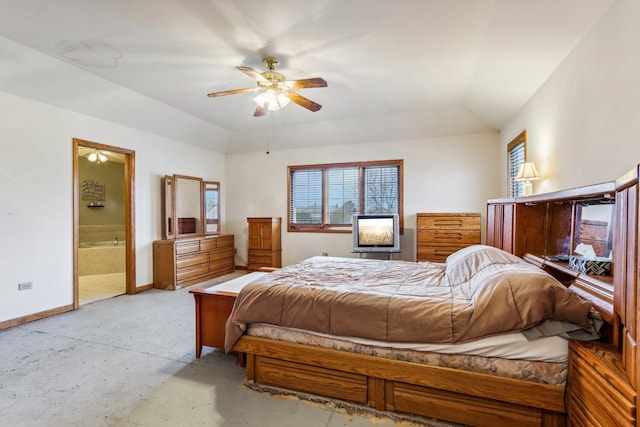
(382, 384)
(442, 393)
(603, 377)
(392, 385)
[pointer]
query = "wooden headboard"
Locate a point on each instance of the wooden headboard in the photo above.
(545, 229)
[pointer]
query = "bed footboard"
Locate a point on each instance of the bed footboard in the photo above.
(392, 385)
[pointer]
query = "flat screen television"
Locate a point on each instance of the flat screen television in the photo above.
(376, 233)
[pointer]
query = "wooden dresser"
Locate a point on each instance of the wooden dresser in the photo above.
(438, 235)
(182, 262)
(265, 242)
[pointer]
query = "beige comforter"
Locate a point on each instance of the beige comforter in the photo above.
(479, 291)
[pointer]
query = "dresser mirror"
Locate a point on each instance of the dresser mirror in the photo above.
(594, 226)
(190, 207)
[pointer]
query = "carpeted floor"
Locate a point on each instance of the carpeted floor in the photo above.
(130, 361)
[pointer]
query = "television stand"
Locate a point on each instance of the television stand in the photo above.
(359, 253)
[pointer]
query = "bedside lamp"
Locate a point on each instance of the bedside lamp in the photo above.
(527, 173)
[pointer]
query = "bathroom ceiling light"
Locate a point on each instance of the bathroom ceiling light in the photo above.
(97, 157)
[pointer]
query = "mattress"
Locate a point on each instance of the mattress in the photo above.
(511, 355)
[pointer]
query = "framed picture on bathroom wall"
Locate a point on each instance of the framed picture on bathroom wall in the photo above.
(92, 191)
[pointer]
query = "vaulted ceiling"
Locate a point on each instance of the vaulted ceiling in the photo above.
(381, 59)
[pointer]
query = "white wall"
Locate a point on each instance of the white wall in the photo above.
(441, 174)
(450, 164)
(36, 196)
(583, 124)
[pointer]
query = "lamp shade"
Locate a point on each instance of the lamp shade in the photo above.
(527, 171)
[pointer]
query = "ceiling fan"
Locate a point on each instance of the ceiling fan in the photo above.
(275, 91)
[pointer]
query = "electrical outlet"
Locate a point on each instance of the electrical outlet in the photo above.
(24, 286)
(325, 253)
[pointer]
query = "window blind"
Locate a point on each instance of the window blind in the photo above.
(306, 197)
(516, 157)
(343, 194)
(324, 198)
(381, 195)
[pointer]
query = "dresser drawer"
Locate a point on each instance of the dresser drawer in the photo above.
(221, 264)
(259, 253)
(261, 261)
(225, 241)
(449, 221)
(448, 236)
(221, 254)
(216, 242)
(185, 261)
(209, 243)
(437, 253)
(187, 247)
(190, 272)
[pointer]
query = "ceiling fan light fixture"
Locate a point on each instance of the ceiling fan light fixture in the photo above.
(273, 99)
(274, 91)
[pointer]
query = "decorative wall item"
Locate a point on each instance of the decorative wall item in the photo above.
(93, 192)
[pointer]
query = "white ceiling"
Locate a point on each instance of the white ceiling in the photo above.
(380, 58)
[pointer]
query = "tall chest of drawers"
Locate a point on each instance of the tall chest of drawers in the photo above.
(184, 262)
(438, 235)
(265, 243)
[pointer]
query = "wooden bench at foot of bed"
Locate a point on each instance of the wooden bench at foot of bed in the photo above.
(392, 385)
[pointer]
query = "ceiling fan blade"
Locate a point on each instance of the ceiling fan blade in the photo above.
(231, 92)
(261, 111)
(253, 74)
(303, 102)
(306, 83)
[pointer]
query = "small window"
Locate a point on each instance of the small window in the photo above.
(516, 155)
(324, 198)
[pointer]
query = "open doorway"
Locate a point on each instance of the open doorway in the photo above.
(103, 226)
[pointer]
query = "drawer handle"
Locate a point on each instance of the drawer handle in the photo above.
(448, 235)
(442, 252)
(443, 222)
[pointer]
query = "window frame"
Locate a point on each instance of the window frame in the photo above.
(514, 188)
(325, 227)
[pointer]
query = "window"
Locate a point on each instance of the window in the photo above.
(516, 155)
(323, 198)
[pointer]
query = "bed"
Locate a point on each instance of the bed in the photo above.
(442, 341)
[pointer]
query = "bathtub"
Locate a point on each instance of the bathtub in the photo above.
(101, 257)
(109, 243)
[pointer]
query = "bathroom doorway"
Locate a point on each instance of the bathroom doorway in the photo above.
(103, 226)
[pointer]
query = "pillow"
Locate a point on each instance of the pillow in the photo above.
(463, 264)
(507, 293)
